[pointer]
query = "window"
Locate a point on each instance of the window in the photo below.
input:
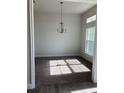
(91, 19)
(90, 38)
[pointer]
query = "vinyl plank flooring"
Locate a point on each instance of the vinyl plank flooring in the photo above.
(65, 88)
(43, 72)
(61, 83)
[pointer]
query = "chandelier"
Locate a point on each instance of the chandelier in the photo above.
(61, 28)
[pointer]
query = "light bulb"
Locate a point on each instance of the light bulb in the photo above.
(61, 28)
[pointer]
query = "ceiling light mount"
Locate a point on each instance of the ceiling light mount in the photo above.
(61, 2)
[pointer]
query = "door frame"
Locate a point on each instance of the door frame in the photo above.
(30, 13)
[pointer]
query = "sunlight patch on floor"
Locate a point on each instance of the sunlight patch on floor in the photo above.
(79, 68)
(57, 62)
(90, 90)
(73, 61)
(58, 67)
(65, 70)
(55, 71)
(58, 70)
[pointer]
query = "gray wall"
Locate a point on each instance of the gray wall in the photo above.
(48, 42)
(85, 15)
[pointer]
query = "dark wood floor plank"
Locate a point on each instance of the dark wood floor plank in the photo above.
(65, 88)
(63, 83)
(43, 72)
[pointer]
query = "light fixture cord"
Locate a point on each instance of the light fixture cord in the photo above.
(61, 10)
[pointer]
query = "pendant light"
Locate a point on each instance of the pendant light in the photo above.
(61, 28)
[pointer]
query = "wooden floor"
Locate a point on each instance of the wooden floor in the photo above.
(43, 76)
(45, 83)
(65, 88)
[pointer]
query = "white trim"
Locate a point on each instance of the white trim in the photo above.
(29, 86)
(31, 16)
(94, 67)
(81, 1)
(55, 55)
(87, 57)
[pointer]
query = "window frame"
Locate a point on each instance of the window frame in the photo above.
(91, 20)
(89, 25)
(86, 40)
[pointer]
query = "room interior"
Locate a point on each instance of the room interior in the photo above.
(65, 46)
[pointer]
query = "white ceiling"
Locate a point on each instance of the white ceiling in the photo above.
(69, 6)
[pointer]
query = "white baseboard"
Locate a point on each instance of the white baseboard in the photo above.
(29, 86)
(57, 55)
(87, 57)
